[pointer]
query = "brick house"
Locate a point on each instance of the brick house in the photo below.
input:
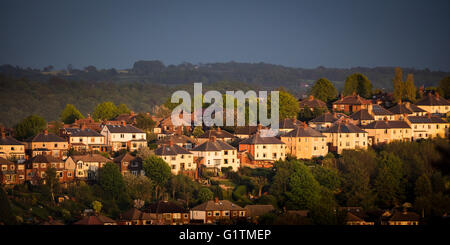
(305, 143)
(38, 165)
(350, 104)
(129, 164)
(47, 144)
(217, 210)
(10, 148)
(11, 173)
(167, 213)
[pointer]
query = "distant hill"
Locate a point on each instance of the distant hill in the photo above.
(24, 91)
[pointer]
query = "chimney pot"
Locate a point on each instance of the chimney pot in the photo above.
(429, 115)
(216, 199)
(311, 97)
(124, 123)
(259, 127)
(218, 130)
(170, 142)
(45, 132)
(213, 138)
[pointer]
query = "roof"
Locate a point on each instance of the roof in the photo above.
(165, 150)
(325, 118)
(5, 161)
(312, 102)
(132, 214)
(246, 130)
(176, 139)
(8, 140)
(433, 100)
(353, 218)
(220, 205)
(258, 140)
(90, 158)
(381, 124)
(378, 110)
(85, 133)
(123, 129)
(165, 207)
(289, 123)
(404, 216)
(342, 127)
(217, 145)
(258, 210)
(352, 100)
(362, 115)
(94, 220)
(45, 159)
(42, 137)
(304, 131)
(126, 157)
(219, 133)
(425, 119)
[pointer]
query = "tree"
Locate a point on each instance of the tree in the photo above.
(51, 181)
(359, 84)
(398, 83)
(139, 187)
(304, 190)
(205, 194)
(70, 114)
(198, 131)
(123, 109)
(158, 171)
(105, 111)
(444, 85)
(144, 152)
(259, 182)
(145, 122)
(6, 214)
(111, 180)
(323, 90)
(97, 206)
(327, 177)
(390, 180)
(30, 126)
(57, 125)
(288, 106)
(423, 194)
(409, 90)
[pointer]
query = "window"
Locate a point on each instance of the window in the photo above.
(56, 145)
(209, 213)
(174, 166)
(4, 167)
(274, 155)
(216, 213)
(225, 152)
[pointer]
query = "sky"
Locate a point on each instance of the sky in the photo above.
(307, 34)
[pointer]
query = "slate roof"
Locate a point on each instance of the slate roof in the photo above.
(381, 124)
(433, 100)
(405, 108)
(90, 158)
(404, 216)
(220, 205)
(45, 159)
(132, 214)
(165, 207)
(126, 157)
(362, 115)
(218, 133)
(378, 110)
(352, 100)
(289, 123)
(341, 127)
(258, 210)
(94, 220)
(312, 102)
(217, 145)
(325, 118)
(123, 129)
(246, 130)
(177, 139)
(85, 133)
(425, 119)
(304, 132)
(5, 161)
(166, 150)
(8, 140)
(46, 138)
(258, 140)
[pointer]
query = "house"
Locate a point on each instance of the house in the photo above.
(95, 220)
(325, 120)
(87, 166)
(305, 142)
(87, 122)
(402, 109)
(362, 117)
(135, 217)
(85, 139)
(404, 218)
(312, 103)
(428, 127)
(263, 150)
(124, 137)
(129, 118)
(11, 148)
(256, 211)
(217, 154)
(379, 113)
(47, 144)
(350, 104)
(180, 160)
(288, 124)
(355, 216)
(388, 131)
(344, 135)
(11, 173)
(218, 133)
(244, 132)
(434, 104)
(129, 164)
(217, 210)
(168, 213)
(181, 140)
(38, 165)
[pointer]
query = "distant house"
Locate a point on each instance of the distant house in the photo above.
(325, 120)
(135, 217)
(88, 122)
(244, 132)
(305, 143)
(355, 216)
(288, 124)
(180, 160)
(406, 109)
(11, 173)
(218, 133)
(350, 104)
(434, 104)
(124, 137)
(129, 164)
(38, 165)
(168, 213)
(217, 154)
(388, 131)
(404, 218)
(47, 144)
(263, 151)
(344, 135)
(88, 165)
(181, 140)
(10, 148)
(256, 211)
(87, 140)
(213, 211)
(95, 220)
(312, 103)
(428, 127)
(362, 117)
(380, 113)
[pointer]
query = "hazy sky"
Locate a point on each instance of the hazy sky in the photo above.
(305, 34)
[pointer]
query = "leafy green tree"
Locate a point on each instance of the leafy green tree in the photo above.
(323, 90)
(6, 214)
(205, 194)
(444, 85)
(307, 114)
(51, 181)
(70, 114)
(123, 109)
(398, 83)
(158, 171)
(423, 195)
(288, 106)
(327, 177)
(139, 187)
(197, 131)
(259, 182)
(105, 111)
(30, 126)
(145, 122)
(57, 125)
(111, 180)
(390, 180)
(304, 190)
(359, 84)
(409, 90)
(97, 206)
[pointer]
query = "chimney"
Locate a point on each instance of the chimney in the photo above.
(385, 119)
(407, 105)
(259, 127)
(405, 116)
(170, 142)
(3, 134)
(218, 130)
(305, 125)
(213, 138)
(131, 113)
(294, 120)
(83, 126)
(148, 114)
(369, 109)
(124, 123)
(437, 95)
(311, 97)
(217, 200)
(428, 115)
(45, 132)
